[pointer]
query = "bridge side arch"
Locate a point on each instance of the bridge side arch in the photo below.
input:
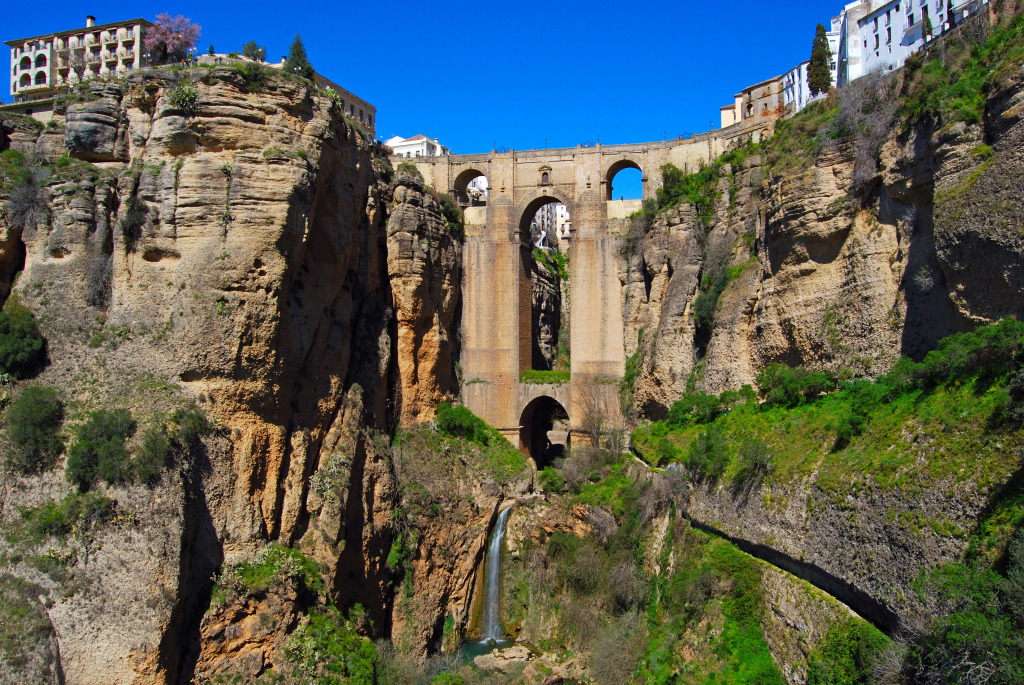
(625, 162)
(462, 177)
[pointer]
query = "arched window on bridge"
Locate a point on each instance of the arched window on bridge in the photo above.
(547, 224)
(471, 189)
(625, 181)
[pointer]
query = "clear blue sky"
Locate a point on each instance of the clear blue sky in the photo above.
(520, 75)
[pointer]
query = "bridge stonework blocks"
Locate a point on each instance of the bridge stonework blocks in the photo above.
(496, 315)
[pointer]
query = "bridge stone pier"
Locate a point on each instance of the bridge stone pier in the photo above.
(497, 330)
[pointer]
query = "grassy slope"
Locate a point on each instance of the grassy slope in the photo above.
(924, 438)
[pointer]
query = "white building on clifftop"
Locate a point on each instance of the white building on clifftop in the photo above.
(43, 67)
(417, 146)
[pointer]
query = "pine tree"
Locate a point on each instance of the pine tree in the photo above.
(819, 72)
(297, 62)
(926, 30)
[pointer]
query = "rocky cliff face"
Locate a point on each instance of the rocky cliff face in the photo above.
(236, 254)
(546, 311)
(425, 268)
(831, 273)
(252, 254)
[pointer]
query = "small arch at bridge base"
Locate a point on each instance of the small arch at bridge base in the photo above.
(544, 431)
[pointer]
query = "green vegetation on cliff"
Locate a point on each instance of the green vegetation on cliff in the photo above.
(867, 430)
(22, 347)
(951, 80)
(911, 430)
(978, 633)
(25, 631)
(847, 654)
(326, 650)
(321, 645)
(101, 449)
(716, 598)
(653, 600)
(699, 189)
(33, 424)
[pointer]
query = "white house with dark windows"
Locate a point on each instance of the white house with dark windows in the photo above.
(796, 93)
(417, 146)
(879, 35)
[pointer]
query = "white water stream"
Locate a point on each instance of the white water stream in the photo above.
(493, 629)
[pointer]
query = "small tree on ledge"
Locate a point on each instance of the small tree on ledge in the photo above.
(297, 62)
(819, 73)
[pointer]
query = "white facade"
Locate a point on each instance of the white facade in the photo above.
(891, 33)
(834, 36)
(43, 64)
(417, 146)
(795, 90)
(477, 188)
(879, 35)
(554, 220)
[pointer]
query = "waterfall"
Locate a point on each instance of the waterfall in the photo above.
(492, 625)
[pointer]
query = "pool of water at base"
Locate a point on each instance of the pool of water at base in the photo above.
(471, 650)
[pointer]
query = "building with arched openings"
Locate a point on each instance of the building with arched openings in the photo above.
(43, 67)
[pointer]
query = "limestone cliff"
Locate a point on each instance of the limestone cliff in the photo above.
(424, 265)
(547, 315)
(831, 266)
(233, 250)
(831, 273)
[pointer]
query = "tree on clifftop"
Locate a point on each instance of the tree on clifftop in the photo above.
(297, 62)
(254, 51)
(170, 38)
(819, 72)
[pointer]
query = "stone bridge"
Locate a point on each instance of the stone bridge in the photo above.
(497, 324)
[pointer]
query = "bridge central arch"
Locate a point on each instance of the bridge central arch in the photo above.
(544, 430)
(530, 207)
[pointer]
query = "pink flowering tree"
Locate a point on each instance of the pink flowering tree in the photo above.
(169, 39)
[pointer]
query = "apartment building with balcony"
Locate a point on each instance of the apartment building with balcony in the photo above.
(43, 67)
(796, 88)
(879, 35)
